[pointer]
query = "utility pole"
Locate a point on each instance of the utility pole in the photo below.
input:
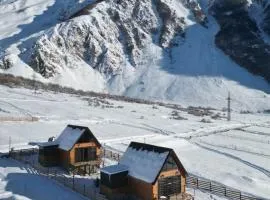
(9, 144)
(34, 83)
(229, 107)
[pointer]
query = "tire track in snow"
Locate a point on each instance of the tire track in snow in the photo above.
(231, 135)
(256, 167)
(254, 132)
(235, 149)
(23, 111)
(158, 130)
(206, 132)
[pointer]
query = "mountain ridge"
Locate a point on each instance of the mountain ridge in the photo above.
(163, 49)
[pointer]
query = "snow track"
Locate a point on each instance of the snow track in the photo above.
(264, 171)
(234, 148)
(254, 132)
(21, 110)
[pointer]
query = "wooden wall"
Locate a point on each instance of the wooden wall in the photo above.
(64, 158)
(83, 145)
(113, 193)
(140, 189)
(48, 156)
(169, 173)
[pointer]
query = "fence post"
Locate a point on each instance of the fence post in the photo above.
(73, 181)
(210, 186)
(197, 182)
(225, 192)
(104, 157)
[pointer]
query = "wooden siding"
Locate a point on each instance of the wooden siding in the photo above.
(169, 173)
(113, 193)
(83, 145)
(64, 158)
(49, 156)
(140, 189)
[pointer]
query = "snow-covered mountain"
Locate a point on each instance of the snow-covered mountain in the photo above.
(188, 51)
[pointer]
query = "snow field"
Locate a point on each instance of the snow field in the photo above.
(117, 123)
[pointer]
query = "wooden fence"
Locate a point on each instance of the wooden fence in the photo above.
(18, 119)
(217, 189)
(111, 155)
(88, 190)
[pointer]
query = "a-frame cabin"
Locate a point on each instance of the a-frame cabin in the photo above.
(145, 171)
(75, 149)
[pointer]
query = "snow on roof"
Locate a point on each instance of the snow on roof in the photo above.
(114, 169)
(69, 137)
(47, 144)
(144, 164)
(66, 140)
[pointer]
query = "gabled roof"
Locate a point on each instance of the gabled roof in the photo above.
(146, 161)
(70, 136)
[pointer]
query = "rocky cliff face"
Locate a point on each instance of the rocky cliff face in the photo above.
(113, 33)
(240, 37)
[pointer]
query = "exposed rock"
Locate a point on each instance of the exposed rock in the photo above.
(5, 62)
(173, 25)
(239, 37)
(197, 11)
(112, 34)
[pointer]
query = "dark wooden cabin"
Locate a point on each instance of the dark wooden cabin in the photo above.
(146, 172)
(75, 149)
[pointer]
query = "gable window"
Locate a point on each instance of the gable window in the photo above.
(170, 164)
(85, 154)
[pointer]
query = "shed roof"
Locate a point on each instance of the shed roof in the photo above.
(69, 137)
(114, 169)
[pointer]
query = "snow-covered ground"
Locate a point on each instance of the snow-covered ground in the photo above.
(19, 182)
(234, 153)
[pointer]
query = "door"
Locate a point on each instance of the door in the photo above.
(169, 186)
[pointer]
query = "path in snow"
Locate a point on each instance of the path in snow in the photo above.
(21, 110)
(235, 149)
(254, 132)
(264, 171)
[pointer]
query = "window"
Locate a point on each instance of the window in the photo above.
(85, 154)
(169, 186)
(170, 164)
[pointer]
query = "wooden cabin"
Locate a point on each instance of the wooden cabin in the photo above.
(76, 148)
(145, 172)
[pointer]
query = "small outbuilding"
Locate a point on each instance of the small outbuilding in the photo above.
(75, 149)
(145, 171)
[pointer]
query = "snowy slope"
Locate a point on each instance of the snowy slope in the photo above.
(160, 50)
